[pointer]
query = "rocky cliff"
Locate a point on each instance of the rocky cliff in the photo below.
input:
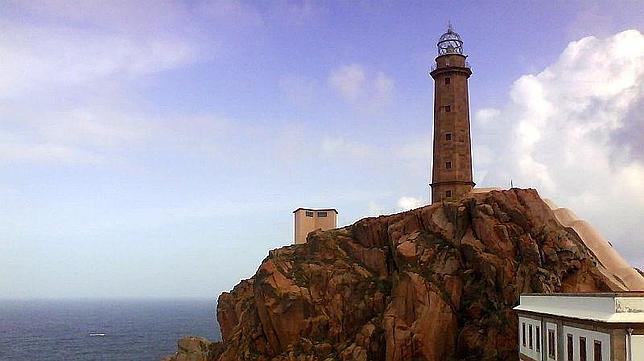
(434, 283)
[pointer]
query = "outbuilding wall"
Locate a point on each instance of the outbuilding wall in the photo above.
(306, 224)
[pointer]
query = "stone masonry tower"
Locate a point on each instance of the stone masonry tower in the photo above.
(452, 163)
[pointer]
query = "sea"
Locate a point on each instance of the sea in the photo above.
(93, 330)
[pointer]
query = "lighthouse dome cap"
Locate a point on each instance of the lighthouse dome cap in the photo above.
(450, 42)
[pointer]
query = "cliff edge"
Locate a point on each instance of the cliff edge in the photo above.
(434, 283)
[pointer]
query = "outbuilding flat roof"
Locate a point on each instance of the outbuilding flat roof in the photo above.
(317, 209)
(622, 307)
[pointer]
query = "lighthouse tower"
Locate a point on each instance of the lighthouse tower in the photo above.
(452, 163)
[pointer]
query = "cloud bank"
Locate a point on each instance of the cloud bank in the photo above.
(574, 132)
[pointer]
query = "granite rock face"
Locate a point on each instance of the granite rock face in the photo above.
(434, 283)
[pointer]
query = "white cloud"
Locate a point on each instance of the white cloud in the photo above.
(563, 133)
(407, 203)
(95, 127)
(414, 153)
(232, 12)
(117, 14)
(62, 57)
(72, 74)
(298, 90)
(340, 147)
(75, 135)
(486, 115)
(365, 90)
(383, 87)
(297, 12)
(349, 81)
(374, 209)
(66, 76)
(46, 152)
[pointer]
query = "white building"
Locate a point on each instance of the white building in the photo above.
(581, 327)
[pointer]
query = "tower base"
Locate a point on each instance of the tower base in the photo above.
(443, 191)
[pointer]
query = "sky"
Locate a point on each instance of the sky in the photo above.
(158, 148)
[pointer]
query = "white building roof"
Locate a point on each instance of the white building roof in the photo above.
(626, 307)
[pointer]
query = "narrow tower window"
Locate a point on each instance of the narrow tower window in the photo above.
(538, 339)
(309, 214)
(447, 81)
(448, 136)
(448, 165)
(448, 109)
(321, 214)
(448, 194)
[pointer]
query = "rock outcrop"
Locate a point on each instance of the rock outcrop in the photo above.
(434, 283)
(192, 348)
(610, 263)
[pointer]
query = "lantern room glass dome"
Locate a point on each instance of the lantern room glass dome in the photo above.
(450, 42)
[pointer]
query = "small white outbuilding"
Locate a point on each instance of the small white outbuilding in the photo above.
(308, 220)
(581, 327)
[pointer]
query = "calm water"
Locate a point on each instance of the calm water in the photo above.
(134, 330)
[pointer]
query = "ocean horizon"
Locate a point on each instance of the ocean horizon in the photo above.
(89, 329)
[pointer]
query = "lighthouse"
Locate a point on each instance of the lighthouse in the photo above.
(452, 157)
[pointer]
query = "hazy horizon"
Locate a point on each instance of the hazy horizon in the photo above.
(157, 149)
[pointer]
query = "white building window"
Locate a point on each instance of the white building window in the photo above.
(593, 344)
(597, 351)
(582, 349)
(552, 345)
(529, 337)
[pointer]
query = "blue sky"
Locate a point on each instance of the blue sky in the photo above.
(158, 148)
